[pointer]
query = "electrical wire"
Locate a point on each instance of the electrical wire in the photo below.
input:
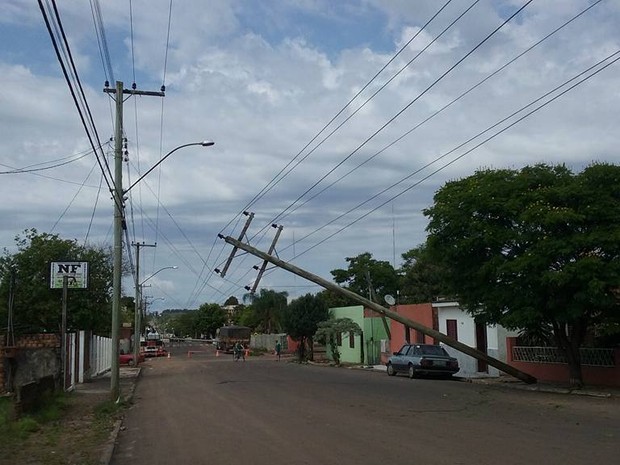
(279, 176)
(462, 95)
(72, 91)
(408, 105)
(493, 136)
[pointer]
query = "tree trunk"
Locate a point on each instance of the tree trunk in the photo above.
(310, 349)
(301, 349)
(569, 338)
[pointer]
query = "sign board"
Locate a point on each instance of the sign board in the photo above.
(77, 273)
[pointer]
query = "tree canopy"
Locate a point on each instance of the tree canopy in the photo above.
(301, 317)
(264, 312)
(421, 277)
(383, 277)
(203, 321)
(36, 307)
(531, 247)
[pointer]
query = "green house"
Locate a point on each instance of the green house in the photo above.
(364, 349)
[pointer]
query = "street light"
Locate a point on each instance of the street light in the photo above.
(137, 318)
(174, 267)
(119, 225)
(204, 143)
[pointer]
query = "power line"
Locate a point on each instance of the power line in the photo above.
(71, 89)
(462, 95)
(274, 181)
(544, 104)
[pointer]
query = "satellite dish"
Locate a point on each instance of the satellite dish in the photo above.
(389, 299)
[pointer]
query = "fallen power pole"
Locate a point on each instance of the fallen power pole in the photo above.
(385, 311)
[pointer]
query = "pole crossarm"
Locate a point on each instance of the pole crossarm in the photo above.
(263, 267)
(224, 270)
(387, 312)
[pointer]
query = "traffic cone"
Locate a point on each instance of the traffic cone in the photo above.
(247, 352)
(217, 353)
(168, 354)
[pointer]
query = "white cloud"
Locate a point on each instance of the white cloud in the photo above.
(261, 84)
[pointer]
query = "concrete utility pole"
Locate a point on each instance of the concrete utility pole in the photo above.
(390, 314)
(137, 301)
(119, 225)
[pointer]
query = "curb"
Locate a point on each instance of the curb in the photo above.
(545, 389)
(108, 451)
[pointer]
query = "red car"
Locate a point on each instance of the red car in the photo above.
(127, 359)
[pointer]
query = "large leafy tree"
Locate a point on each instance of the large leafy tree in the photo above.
(422, 277)
(36, 307)
(209, 317)
(334, 299)
(382, 275)
(265, 310)
(535, 247)
(300, 319)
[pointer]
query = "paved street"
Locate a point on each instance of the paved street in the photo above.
(208, 409)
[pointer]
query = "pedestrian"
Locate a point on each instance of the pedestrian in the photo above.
(239, 351)
(278, 349)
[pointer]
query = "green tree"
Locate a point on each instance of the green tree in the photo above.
(232, 300)
(36, 307)
(335, 299)
(184, 323)
(382, 275)
(329, 330)
(209, 317)
(422, 277)
(300, 320)
(533, 248)
(267, 307)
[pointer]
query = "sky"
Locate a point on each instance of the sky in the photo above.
(336, 120)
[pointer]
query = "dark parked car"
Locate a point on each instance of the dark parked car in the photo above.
(422, 359)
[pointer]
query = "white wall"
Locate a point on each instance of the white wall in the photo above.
(466, 333)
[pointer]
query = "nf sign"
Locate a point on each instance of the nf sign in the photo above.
(76, 272)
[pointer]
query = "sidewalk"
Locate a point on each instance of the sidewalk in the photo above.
(513, 383)
(101, 384)
(100, 387)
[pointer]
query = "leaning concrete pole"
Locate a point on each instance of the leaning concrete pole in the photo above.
(389, 313)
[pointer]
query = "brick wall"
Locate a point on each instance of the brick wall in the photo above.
(32, 357)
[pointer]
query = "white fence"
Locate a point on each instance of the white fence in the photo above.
(88, 356)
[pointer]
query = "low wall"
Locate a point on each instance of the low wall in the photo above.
(32, 358)
(559, 373)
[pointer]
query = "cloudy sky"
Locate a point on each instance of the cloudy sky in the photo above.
(337, 120)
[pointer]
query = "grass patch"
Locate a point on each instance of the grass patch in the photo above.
(14, 430)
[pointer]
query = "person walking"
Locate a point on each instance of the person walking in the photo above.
(239, 351)
(278, 349)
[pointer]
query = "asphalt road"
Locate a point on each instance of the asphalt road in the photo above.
(211, 410)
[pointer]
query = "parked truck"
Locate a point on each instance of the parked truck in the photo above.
(227, 336)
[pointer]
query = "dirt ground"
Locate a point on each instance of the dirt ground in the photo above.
(77, 438)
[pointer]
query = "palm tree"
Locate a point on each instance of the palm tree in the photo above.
(267, 307)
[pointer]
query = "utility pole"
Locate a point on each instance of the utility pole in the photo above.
(119, 225)
(137, 304)
(387, 312)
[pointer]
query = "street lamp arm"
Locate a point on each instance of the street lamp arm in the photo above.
(162, 269)
(204, 143)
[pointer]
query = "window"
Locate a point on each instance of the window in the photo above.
(452, 329)
(351, 340)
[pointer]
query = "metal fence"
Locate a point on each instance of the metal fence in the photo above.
(589, 356)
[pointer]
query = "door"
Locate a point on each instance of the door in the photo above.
(481, 345)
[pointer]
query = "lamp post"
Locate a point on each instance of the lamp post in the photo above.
(137, 313)
(119, 225)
